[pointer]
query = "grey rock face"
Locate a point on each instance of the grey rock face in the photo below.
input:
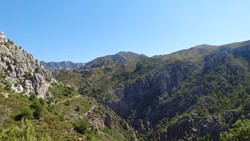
(22, 71)
(3, 38)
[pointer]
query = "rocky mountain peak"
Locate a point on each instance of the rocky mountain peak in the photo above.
(21, 72)
(3, 38)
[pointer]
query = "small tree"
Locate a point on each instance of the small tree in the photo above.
(38, 107)
(81, 126)
(26, 113)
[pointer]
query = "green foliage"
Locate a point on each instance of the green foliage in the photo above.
(115, 135)
(82, 126)
(246, 105)
(27, 76)
(24, 132)
(59, 91)
(15, 62)
(77, 109)
(26, 113)
(67, 103)
(7, 85)
(239, 132)
(38, 107)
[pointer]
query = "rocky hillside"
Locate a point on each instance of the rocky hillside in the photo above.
(21, 72)
(194, 94)
(34, 106)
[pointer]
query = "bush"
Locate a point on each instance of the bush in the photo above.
(77, 109)
(27, 76)
(7, 86)
(38, 107)
(26, 113)
(81, 126)
(25, 132)
(67, 103)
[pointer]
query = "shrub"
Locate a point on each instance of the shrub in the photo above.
(77, 109)
(7, 86)
(27, 76)
(67, 103)
(26, 113)
(81, 126)
(38, 108)
(26, 132)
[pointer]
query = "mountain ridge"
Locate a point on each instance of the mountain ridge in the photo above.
(164, 96)
(201, 93)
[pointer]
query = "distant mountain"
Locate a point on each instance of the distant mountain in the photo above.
(194, 94)
(121, 58)
(109, 65)
(64, 65)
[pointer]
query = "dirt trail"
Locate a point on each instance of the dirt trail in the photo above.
(90, 110)
(68, 99)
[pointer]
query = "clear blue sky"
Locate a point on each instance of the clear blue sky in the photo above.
(81, 30)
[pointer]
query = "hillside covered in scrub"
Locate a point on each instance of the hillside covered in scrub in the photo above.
(35, 106)
(201, 93)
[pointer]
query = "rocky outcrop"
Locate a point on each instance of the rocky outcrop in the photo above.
(191, 129)
(102, 117)
(21, 72)
(152, 97)
(3, 38)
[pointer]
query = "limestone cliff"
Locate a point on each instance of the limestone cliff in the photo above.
(21, 72)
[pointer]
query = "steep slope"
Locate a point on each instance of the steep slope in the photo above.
(21, 72)
(191, 94)
(101, 69)
(34, 106)
(70, 118)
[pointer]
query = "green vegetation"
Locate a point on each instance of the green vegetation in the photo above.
(30, 118)
(24, 132)
(60, 91)
(26, 113)
(82, 126)
(7, 85)
(239, 132)
(198, 94)
(27, 76)
(173, 95)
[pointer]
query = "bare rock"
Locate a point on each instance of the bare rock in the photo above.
(22, 71)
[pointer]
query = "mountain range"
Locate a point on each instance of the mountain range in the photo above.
(201, 93)
(193, 94)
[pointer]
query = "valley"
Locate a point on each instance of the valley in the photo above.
(201, 93)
